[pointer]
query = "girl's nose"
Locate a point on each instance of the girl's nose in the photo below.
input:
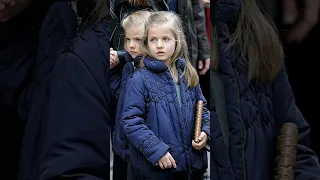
(132, 45)
(160, 44)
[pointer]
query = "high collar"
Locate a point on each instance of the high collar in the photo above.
(159, 66)
(136, 60)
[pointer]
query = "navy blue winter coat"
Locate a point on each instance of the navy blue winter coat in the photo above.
(155, 123)
(255, 114)
(58, 28)
(18, 49)
(118, 81)
(76, 130)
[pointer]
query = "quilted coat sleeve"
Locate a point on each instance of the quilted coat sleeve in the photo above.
(307, 165)
(77, 133)
(134, 123)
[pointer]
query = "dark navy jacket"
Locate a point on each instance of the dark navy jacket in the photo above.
(155, 123)
(255, 113)
(18, 48)
(77, 123)
(118, 82)
(58, 28)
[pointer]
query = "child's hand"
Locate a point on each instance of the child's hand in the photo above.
(203, 138)
(114, 59)
(167, 161)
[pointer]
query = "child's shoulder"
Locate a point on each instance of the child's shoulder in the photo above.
(138, 74)
(138, 78)
(141, 71)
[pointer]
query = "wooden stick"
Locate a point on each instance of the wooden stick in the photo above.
(286, 151)
(198, 123)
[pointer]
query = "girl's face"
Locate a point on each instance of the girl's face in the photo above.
(133, 38)
(161, 42)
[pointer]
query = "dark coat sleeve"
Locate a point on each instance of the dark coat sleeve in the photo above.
(200, 23)
(77, 134)
(220, 166)
(307, 165)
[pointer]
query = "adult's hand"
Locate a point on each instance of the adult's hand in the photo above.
(205, 2)
(302, 20)
(204, 66)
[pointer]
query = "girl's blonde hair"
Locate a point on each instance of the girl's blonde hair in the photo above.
(258, 42)
(135, 19)
(181, 49)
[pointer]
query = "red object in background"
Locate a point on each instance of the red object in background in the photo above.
(207, 12)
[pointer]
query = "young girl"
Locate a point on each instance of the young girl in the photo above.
(133, 26)
(258, 97)
(160, 104)
(123, 7)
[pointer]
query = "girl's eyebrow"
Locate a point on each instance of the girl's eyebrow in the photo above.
(135, 37)
(166, 35)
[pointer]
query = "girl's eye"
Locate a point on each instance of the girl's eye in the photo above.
(166, 39)
(138, 39)
(127, 39)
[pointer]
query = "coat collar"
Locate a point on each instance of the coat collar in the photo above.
(159, 66)
(136, 60)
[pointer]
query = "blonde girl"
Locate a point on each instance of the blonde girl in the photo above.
(160, 104)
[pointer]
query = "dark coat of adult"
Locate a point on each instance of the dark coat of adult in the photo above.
(18, 49)
(77, 126)
(60, 26)
(255, 112)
